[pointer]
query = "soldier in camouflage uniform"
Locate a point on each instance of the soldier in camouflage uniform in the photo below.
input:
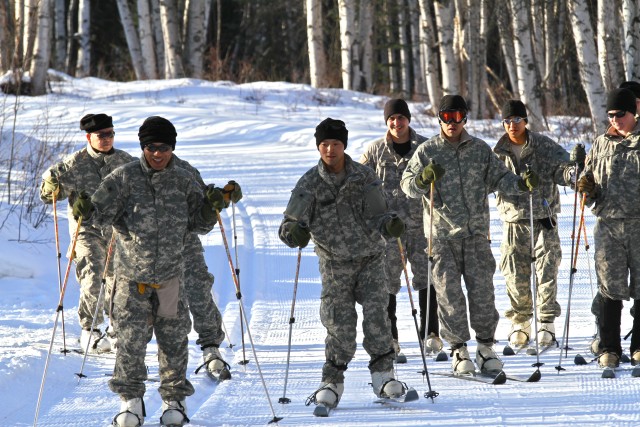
(611, 182)
(152, 205)
(340, 205)
(520, 148)
(388, 157)
(460, 246)
(83, 171)
(198, 281)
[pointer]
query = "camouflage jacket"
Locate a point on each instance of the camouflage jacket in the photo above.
(389, 166)
(549, 161)
(82, 171)
(614, 162)
(345, 222)
(460, 202)
(191, 240)
(152, 211)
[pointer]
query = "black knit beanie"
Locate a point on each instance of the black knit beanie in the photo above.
(453, 102)
(157, 129)
(331, 129)
(396, 106)
(514, 107)
(632, 86)
(94, 122)
(621, 99)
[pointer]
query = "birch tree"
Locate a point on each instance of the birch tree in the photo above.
(476, 36)
(72, 46)
(83, 68)
(317, 56)
(429, 49)
(609, 53)
(631, 39)
(60, 28)
(365, 32)
(131, 36)
(170, 35)
(503, 13)
(405, 85)
(145, 35)
(587, 58)
(42, 48)
(419, 86)
(444, 11)
(528, 84)
(346, 10)
(195, 37)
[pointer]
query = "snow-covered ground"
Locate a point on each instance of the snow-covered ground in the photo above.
(261, 135)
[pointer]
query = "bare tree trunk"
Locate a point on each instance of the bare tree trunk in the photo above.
(503, 13)
(317, 56)
(538, 20)
(365, 31)
(587, 58)
(528, 85)
(631, 46)
(72, 46)
(390, 54)
(147, 45)
(6, 32)
(419, 86)
(346, 10)
(18, 53)
(133, 43)
(196, 37)
(156, 21)
(60, 35)
(171, 36)
(83, 68)
(430, 50)
(42, 49)
(477, 82)
(31, 15)
(609, 54)
(405, 85)
(444, 11)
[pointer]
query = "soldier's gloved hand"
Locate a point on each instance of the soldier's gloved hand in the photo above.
(300, 235)
(395, 227)
(578, 155)
(529, 181)
(232, 192)
(431, 173)
(82, 207)
(51, 186)
(215, 197)
(587, 185)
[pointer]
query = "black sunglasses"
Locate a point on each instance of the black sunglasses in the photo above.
(618, 114)
(105, 135)
(152, 148)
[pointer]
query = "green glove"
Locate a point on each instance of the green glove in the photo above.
(529, 181)
(232, 192)
(587, 185)
(299, 235)
(215, 197)
(578, 155)
(395, 227)
(431, 173)
(51, 186)
(82, 207)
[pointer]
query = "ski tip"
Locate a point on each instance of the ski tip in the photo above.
(508, 351)
(284, 400)
(411, 395)
(275, 420)
(535, 377)
(321, 410)
(579, 360)
(532, 352)
(401, 358)
(442, 357)
(608, 373)
(501, 378)
(624, 358)
(636, 372)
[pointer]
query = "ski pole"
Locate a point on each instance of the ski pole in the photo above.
(55, 323)
(574, 261)
(244, 360)
(99, 304)
(534, 286)
(275, 419)
(292, 320)
(431, 394)
(59, 255)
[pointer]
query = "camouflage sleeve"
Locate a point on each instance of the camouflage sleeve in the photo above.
(367, 158)
(108, 201)
(376, 209)
(61, 173)
(499, 177)
(199, 222)
(299, 210)
(413, 170)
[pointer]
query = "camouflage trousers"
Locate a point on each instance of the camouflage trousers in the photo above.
(90, 259)
(137, 321)
(469, 259)
(515, 264)
(198, 281)
(415, 247)
(345, 283)
(617, 259)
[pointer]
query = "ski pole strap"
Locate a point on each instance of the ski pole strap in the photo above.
(142, 287)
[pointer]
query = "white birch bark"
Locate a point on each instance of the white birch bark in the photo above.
(158, 38)
(429, 48)
(631, 42)
(19, 34)
(365, 32)
(590, 76)
(503, 11)
(145, 35)
(419, 86)
(31, 30)
(477, 82)
(317, 57)
(42, 49)
(609, 54)
(390, 62)
(171, 37)
(195, 38)
(444, 11)
(133, 43)
(72, 44)
(528, 85)
(405, 85)
(346, 11)
(83, 67)
(538, 20)
(60, 47)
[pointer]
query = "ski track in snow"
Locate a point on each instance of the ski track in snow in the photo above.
(267, 166)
